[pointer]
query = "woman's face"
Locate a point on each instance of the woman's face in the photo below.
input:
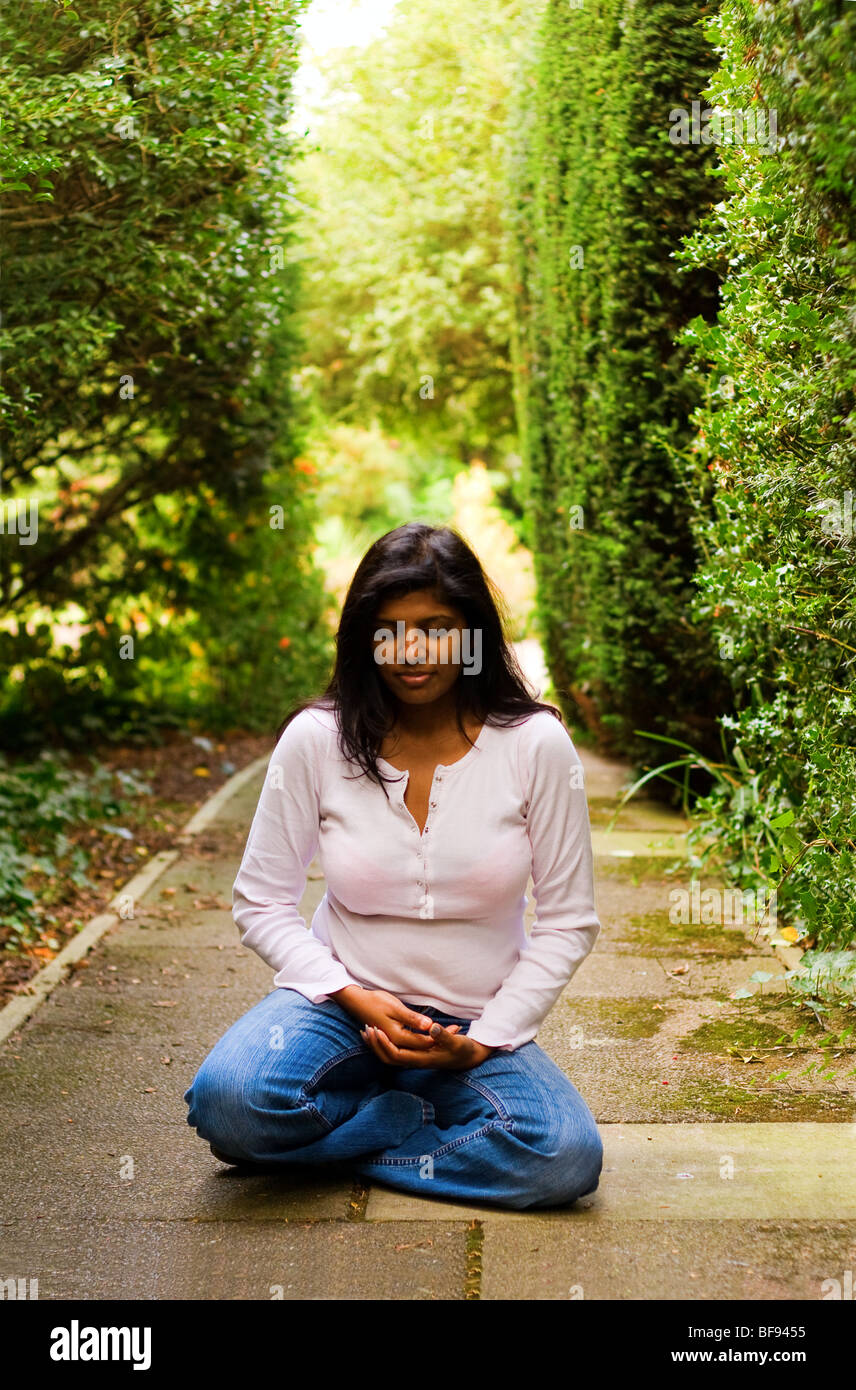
(418, 645)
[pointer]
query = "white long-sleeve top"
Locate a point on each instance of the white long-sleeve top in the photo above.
(435, 918)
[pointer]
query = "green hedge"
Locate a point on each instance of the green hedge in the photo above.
(776, 448)
(603, 198)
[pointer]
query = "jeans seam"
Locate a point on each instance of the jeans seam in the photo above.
(447, 1148)
(333, 1062)
(313, 1110)
(308, 1104)
(486, 1093)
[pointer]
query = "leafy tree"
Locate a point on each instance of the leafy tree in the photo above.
(149, 346)
(408, 298)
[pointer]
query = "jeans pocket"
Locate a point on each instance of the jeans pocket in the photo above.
(334, 1092)
(502, 1112)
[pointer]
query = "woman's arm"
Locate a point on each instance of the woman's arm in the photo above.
(282, 841)
(566, 923)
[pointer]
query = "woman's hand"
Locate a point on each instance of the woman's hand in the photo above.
(403, 1037)
(377, 1007)
(452, 1050)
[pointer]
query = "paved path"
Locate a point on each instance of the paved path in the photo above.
(719, 1181)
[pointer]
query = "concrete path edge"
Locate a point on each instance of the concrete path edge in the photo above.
(24, 1004)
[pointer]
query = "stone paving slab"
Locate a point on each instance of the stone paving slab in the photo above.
(624, 844)
(205, 931)
(705, 1261)
(210, 1001)
(637, 814)
(691, 1172)
(217, 1260)
(645, 1060)
(136, 1172)
(236, 812)
(112, 1080)
(606, 973)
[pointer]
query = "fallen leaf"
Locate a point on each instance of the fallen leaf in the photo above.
(679, 970)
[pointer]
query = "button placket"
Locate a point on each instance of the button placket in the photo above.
(426, 910)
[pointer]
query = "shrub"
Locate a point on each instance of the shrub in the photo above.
(603, 199)
(776, 456)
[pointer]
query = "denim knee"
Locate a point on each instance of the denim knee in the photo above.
(594, 1153)
(214, 1105)
(572, 1167)
(223, 1109)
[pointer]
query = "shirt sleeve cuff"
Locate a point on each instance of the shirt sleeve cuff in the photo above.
(316, 991)
(498, 1042)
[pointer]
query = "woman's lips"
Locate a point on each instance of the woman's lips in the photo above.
(414, 678)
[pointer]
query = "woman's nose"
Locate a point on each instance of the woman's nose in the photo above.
(415, 645)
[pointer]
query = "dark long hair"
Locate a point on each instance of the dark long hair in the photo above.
(418, 556)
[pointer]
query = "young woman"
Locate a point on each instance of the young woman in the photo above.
(399, 1036)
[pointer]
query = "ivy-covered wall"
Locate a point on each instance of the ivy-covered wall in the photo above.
(603, 197)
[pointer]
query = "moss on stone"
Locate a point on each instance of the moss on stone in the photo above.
(656, 929)
(640, 867)
(701, 1099)
(620, 1018)
(718, 1034)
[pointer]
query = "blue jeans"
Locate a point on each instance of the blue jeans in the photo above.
(293, 1083)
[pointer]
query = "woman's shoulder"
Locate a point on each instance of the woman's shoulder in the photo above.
(540, 728)
(542, 747)
(310, 731)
